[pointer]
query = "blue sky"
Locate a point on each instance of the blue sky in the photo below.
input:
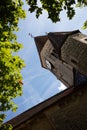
(40, 84)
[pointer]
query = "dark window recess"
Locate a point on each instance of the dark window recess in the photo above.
(85, 39)
(79, 78)
(52, 66)
(54, 53)
(74, 61)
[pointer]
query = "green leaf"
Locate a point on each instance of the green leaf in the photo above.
(84, 25)
(11, 11)
(55, 7)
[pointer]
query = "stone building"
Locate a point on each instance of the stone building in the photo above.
(65, 55)
(64, 111)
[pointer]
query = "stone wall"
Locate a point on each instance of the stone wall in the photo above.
(66, 113)
(74, 52)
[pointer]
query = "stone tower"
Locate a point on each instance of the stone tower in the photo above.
(65, 55)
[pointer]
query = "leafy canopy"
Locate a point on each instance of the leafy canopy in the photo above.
(54, 8)
(11, 11)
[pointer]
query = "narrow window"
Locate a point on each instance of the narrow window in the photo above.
(74, 61)
(54, 53)
(85, 39)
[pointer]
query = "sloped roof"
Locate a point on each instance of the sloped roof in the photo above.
(57, 39)
(69, 101)
(40, 42)
(18, 120)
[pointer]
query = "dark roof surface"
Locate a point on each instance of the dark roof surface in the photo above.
(31, 112)
(40, 42)
(64, 111)
(57, 39)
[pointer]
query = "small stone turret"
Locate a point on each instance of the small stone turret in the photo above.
(65, 55)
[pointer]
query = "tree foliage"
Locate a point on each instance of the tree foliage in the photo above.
(11, 11)
(54, 8)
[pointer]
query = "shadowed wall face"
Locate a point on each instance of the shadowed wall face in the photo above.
(74, 52)
(69, 113)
